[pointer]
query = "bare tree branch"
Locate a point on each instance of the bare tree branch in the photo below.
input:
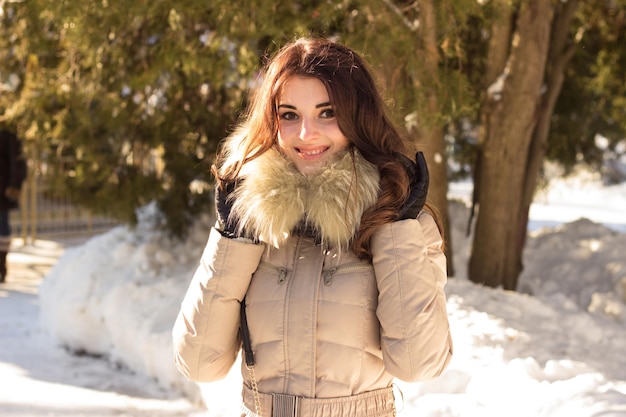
(412, 26)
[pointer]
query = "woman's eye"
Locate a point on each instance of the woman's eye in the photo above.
(327, 114)
(288, 115)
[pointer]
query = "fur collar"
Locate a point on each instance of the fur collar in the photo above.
(273, 199)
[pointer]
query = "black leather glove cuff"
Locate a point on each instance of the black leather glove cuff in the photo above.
(223, 206)
(419, 177)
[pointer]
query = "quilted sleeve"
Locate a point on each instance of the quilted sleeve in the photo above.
(206, 332)
(410, 269)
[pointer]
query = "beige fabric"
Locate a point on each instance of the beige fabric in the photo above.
(411, 273)
(379, 403)
(318, 318)
(323, 323)
(206, 331)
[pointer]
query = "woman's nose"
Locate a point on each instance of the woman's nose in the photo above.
(307, 130)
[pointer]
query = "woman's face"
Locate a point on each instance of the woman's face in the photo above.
(308, 132)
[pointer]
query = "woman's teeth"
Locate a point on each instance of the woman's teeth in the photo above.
(311, 152)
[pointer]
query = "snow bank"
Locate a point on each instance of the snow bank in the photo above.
(589, 272)
(118, 295)
(553, 349)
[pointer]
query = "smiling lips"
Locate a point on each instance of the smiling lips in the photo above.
(311, 153)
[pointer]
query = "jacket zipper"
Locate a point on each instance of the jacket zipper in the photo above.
(328, 274)
(282, 272)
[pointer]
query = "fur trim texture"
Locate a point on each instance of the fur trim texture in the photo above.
(273, 198)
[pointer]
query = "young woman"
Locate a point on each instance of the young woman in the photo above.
(324, 261)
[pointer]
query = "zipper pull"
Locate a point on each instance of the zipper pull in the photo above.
(282, 275)
(328, 276)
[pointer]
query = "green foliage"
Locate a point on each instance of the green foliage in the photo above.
(135, 108)
(593, 100)
(126, 104)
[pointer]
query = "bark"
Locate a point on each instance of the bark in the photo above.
(499, 41)
(562, 50)
(510, 118)
(432, 133)
(497, 55)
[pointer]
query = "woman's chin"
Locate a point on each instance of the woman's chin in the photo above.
(310, 168)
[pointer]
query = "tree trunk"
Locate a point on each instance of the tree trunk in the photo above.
(432, 133)
(499, 41)
(497, 56)
(561, 52)
(510, 117)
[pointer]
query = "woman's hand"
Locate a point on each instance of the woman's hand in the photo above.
(223, 205)
(418, 175)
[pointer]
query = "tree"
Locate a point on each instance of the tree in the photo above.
(537, 47)
(508, 122)
(133, 105)
(561, 51)
(156, 82)
(414, 47)
(128, 105)
(593, 97)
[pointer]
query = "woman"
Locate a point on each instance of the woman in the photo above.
(323, 241)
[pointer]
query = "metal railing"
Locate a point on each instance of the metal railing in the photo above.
(44, 215)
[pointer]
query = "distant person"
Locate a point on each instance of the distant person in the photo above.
(326, 263)
(12, 175)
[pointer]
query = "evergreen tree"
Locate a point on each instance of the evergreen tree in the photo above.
(593, 100)
(127, 105)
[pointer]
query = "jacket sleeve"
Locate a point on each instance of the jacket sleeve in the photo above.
(410, 269)
(206, 332)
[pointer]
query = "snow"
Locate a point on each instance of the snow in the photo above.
(93, 339)
(38, 377)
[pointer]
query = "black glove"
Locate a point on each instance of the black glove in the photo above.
(418, 175)
(223, 205)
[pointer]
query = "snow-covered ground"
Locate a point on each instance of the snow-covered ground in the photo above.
(40, 378)
(556, 348)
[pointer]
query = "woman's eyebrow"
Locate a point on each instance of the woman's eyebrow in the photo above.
(317, 106)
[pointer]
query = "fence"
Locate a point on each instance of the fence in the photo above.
(44, 215)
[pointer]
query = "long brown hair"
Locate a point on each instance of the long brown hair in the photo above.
(361, 116)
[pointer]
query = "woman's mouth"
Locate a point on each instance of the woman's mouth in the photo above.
(311, 153)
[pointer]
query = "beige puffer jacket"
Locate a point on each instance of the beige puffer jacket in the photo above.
(323, 323)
